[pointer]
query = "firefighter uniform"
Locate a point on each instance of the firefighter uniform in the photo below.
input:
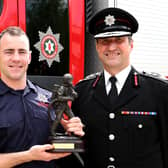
(24, 120)
(132, 133)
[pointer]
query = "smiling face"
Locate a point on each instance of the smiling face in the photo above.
(114, 53)
(14, 58)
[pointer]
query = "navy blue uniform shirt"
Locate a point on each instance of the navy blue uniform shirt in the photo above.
(24, 120)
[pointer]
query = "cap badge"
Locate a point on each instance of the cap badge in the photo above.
(109, 20)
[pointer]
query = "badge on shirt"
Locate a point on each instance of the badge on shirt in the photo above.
(43, 101)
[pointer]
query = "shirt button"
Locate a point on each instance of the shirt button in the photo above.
(110, 166)
(111, 115)
(111, 137)
(140, 125)
(111, 159)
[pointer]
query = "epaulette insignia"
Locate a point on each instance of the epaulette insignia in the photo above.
(154, 75)
(136, 79)
(91, 76)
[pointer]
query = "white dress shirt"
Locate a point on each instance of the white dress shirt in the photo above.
(121, 78)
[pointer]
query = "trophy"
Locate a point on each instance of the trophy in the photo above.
(62, 95)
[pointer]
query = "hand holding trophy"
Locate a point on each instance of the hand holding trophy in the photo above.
(62, 94)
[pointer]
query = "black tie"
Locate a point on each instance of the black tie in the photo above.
(113, 91)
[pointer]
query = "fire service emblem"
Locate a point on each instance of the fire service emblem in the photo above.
(49, 46)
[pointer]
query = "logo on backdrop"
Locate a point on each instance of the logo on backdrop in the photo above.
(49, 46)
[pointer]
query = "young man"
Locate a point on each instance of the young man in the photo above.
(24, 126)
(128, 129)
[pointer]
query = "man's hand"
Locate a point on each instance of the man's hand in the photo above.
(73, 125)
(39, 152)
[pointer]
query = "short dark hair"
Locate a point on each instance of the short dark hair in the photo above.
(129, 39)
(13, 31)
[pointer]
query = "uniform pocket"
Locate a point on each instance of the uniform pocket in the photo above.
(142, 131)
(41, 114)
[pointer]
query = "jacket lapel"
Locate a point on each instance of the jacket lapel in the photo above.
(100, 92)
(128, 92)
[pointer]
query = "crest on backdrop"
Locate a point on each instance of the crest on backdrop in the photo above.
(49, 46)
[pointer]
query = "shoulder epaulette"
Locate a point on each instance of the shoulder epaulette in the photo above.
(90, 77)
(154, 75)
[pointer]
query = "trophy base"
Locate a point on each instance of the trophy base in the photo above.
(66, 143)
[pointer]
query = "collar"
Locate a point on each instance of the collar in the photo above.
(31, 86)
(121, 78)
(4, 88)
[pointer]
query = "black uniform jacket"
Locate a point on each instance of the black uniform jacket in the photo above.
(131, 133)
